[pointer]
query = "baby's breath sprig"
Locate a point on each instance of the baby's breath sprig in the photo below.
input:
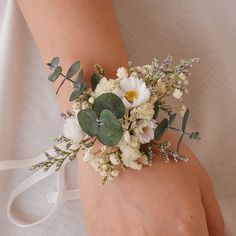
(60, 155)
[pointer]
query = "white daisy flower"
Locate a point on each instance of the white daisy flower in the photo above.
(145, 130)
(133, 91)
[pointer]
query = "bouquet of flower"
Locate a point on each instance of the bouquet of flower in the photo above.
(122, 115)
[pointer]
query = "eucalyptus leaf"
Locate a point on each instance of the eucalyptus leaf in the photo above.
(54, 63)
(55, 74)
(110, 129)
(159, 131)
(95, 79)
(88, 121)
(156, 109)
(185, 120)
(172, 119)
(79, 89)
(80, 76)
(111, 102)
(73, 69)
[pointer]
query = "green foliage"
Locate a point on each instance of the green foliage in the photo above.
(54, 63)
(156, 110)
(111, 102)
(73, 69)
(185, 120)
(55, 74)
(159, 131)
(95, 79)
(88, 121)
(107, 128)
(80, 77)
(110, 130)
(79, 88)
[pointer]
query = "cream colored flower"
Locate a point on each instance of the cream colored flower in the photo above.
(133, 92)
(144, 159)
(145, 130)
(72, 129)
(105, 86)
(88, 156)
(177, 93)
(130, 139)
(115, 173)
(129, 156)
(134, 74)
(144, 111)
(114, 159)
(135, 165)
(182, 76)
(91, 100)
(94, 163)
(122, 72)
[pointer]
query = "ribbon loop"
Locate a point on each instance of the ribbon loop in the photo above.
(53, 198)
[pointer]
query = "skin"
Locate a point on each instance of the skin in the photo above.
(164, 199)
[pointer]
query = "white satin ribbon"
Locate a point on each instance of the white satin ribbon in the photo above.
(54, 198)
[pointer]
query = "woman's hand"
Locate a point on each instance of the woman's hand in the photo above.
(165, 199)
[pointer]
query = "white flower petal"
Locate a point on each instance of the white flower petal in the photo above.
(72, 129)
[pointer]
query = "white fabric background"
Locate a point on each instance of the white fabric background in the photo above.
(29, 112)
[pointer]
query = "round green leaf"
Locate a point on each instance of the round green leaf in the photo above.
(111, 102)
(88, 121)
(55, 74)
(159, 131)
(73, 69)
(110, 129)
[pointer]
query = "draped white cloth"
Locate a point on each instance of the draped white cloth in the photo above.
(29, 115)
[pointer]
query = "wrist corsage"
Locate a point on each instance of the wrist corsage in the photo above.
(122, 114)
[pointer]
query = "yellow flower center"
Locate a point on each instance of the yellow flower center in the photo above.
(131, 95)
